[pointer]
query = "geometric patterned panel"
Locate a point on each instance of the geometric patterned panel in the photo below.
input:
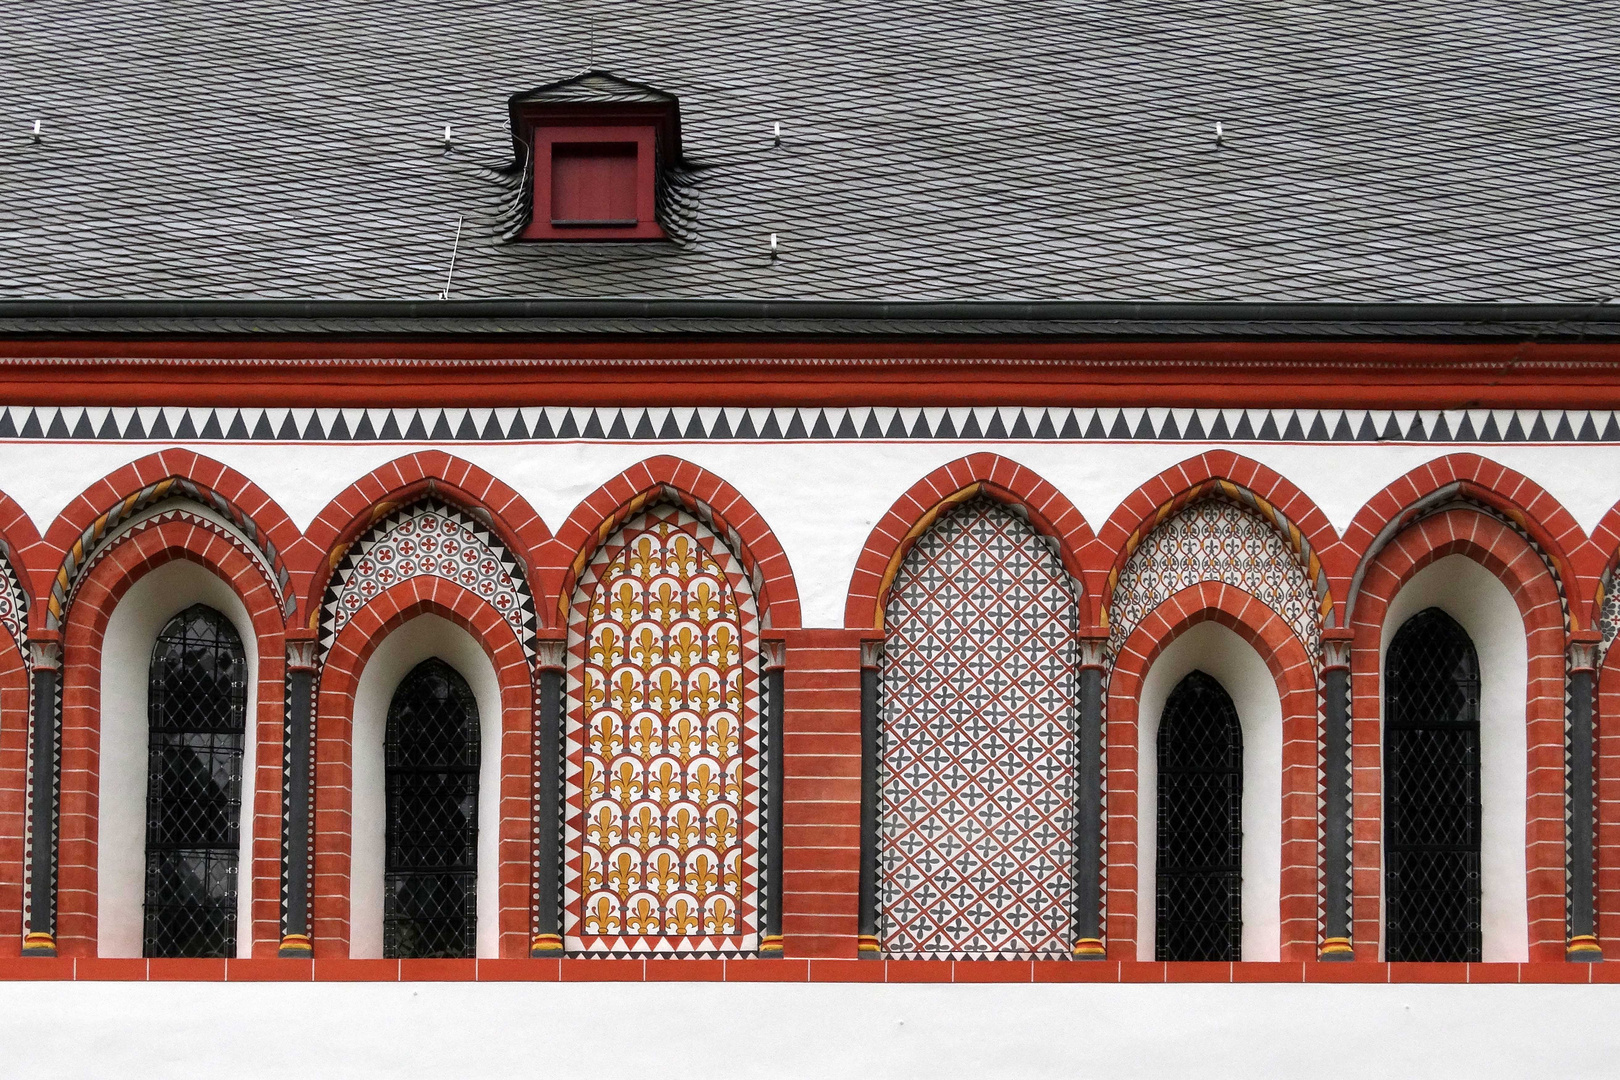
(1214, 540)
(661, 776)
(13, 603)
(429, 538)
(976, 773)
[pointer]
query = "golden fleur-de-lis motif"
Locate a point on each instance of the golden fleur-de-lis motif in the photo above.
(602, 828)
(623, 694)
(703, 784)
(642, 828)
(722, 740)
(664, 783)
(625, 606)
(601, 918)
(646, 646)
(626, 784)
(641, 917)
(593, 690)
(721, 917)
(701, 874)
(606, 649)
(685, 647)
(590, 779)
(664, 875)
(681, 917)
(705, 605)
(644, 557)
(684, 738)
(721, 830)
(664, 602)
(664, 691)
(602, 734)
(644, 738)
(684, 829)
(703, 690)
(661, 737)
(723, 649)
(624, 876)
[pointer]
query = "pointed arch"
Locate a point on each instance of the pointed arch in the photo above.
(398, 483)
(334, 752)
(1222, 474)
(980, 640)
(85, 523)
(1504, 551)
(1292, 669)
(164, 538)
(1469, 478)
(997, 477)
(701, 493)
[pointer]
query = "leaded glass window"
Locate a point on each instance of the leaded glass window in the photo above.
(197, 723)
(430, 892)
(1431, 791)
(1199, 877)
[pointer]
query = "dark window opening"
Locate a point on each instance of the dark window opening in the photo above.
(430, 890)
(197, 723)
(593, 185)
(1199, 877)
(1431, 792)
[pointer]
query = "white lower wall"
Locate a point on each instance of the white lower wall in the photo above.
(126, 656)
(1482, 605)
(422, 638)
(605, 1031)
(1217, 651)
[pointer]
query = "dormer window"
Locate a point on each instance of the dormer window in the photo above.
(596, 146)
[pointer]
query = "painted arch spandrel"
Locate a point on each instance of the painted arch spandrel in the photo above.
(661, 780)
(977, 762)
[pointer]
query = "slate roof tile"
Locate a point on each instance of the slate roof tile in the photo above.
(1432, 150)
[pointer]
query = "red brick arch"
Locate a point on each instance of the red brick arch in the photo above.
(1164, 494)
(1295, 675)
(13, 790)
(1501, 550)
(1001, 478)
(601, 513)
(245, 500)
(395, 483)
(1543, 518)
(334, 751)
(132, 556)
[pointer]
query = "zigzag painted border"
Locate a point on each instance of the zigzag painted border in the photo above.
(640, 424)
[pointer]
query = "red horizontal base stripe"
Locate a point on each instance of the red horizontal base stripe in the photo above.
(552, 969)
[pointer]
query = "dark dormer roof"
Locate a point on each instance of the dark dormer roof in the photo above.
(1431, 150)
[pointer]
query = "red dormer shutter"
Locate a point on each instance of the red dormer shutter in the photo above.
(593, 184)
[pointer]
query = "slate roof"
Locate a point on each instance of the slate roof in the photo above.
(1423, 151)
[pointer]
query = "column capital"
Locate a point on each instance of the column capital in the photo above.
(1336, 646)
(871, 652)
(772, 654)
(550, 654)
(1582, 649)
(45, 652)
(1093, 649)
(301, 653)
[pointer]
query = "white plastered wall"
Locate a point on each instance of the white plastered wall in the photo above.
(1484, 608)
(422, 638)
(1219, 652)
(126, 655)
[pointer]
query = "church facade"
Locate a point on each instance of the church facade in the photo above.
(706, 520)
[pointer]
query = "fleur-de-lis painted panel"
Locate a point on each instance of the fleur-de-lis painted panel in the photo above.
(662, 812)
(976, 770)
